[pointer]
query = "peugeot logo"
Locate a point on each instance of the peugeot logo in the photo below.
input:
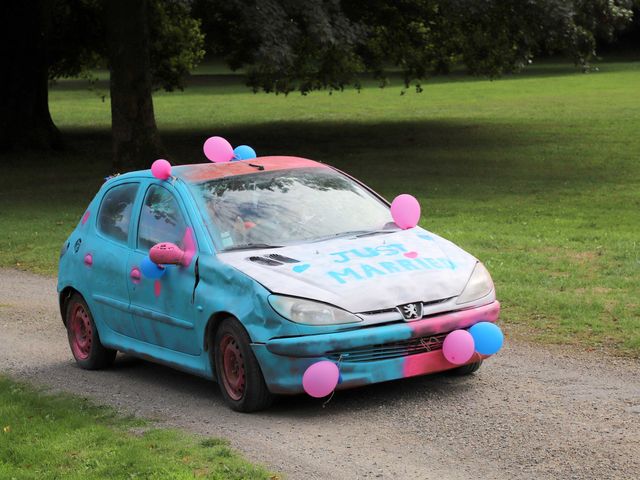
(411, 311)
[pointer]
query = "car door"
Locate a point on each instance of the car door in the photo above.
(109, 250)
(163, 308)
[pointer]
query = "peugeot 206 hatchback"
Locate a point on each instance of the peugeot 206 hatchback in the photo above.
(267, 266)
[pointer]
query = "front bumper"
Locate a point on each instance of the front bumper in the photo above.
(368, 355)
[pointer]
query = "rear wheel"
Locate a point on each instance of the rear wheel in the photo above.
(466, 369)
(239, 373)
(83, 336)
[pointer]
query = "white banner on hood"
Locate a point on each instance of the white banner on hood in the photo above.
(362, 274)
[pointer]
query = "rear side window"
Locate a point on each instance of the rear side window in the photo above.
(115, 212)
(161, 219)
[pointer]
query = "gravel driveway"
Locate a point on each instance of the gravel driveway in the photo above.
(528, 413)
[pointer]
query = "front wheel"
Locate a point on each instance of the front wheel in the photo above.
(83, 336)
(238, 371)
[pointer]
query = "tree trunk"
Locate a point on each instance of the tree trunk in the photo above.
(136, 141)
(25, 121)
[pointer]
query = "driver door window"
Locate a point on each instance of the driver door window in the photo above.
(160, 219)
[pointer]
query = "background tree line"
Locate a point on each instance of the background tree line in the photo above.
(284, 45)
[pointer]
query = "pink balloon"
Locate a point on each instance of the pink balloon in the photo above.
(161, 169)
(218, 150)
(321, 378)
(458, 347)
(405, 211)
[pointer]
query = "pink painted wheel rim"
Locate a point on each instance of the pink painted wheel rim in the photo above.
(233, 371)
(80, 332)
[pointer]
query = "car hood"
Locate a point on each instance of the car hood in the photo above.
(362, 274)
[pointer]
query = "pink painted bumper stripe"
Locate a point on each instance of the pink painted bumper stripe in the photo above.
(432, 362)
(455, 320)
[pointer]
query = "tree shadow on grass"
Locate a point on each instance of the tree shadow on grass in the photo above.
(403, 151)
(386, 155)
(333, 142)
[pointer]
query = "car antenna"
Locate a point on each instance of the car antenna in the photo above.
(259, 167)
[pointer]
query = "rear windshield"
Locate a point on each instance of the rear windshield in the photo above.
(286, 207)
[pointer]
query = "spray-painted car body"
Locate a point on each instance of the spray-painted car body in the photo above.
(170, 320)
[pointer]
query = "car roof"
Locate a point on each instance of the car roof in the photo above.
(202, 172)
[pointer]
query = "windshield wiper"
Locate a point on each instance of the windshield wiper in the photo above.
(374, 232)
(352, 233)
(251, 246)
(336, 235)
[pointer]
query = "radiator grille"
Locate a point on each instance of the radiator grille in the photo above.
(385, 351)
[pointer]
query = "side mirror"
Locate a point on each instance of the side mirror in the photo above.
(167, 253)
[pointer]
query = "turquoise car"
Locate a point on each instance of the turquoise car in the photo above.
(249, 272)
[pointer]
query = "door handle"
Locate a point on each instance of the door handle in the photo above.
(135, 275)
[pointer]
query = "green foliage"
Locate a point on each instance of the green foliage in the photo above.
(75, 37)
(407, 34)
(62, 436)
(536, 174)
(490, 37)
(177, 44)
(76, 40)
(287, 45)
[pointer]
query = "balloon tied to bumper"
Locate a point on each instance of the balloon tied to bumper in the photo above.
(486, 338)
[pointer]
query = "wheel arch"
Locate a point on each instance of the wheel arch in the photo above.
(212, 326)
(63, 299)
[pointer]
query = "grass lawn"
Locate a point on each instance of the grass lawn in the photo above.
(62, 436)
(538, 175)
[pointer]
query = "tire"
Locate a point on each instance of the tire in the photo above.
(84, 340)
(239, 375)
(466, 369)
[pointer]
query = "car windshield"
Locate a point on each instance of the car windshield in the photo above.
(270, 209)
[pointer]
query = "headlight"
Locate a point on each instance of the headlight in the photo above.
(479, 285)
(309, 312)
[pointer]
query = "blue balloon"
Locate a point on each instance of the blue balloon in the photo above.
(150, 269)
(487, 336)
(244, 152)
